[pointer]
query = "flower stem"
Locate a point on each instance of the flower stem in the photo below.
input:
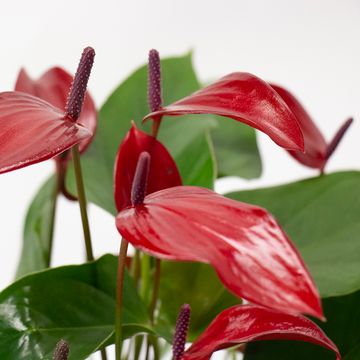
(82, 202)
(156, 285)
(119, 297)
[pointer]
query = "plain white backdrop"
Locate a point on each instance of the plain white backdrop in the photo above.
(311, 47)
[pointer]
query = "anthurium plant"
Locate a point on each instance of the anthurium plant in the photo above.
(197, 271)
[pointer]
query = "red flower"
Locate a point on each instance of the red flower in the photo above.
(248, 249)
(32, 130)
(163, 171)
(317, 150)
(245, 98)
(53, 87)
(246, 323)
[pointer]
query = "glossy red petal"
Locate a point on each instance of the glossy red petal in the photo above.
(163, 171)
(248, 249)
(245, 323)
(315, 144)
(32, 130)
(54, 87)
(245, 98)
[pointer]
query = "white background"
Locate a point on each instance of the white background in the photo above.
(309, 46)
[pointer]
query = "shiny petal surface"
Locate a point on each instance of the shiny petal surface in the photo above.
(245, 323)
(251, 254)
(317, 150)
(315, 144)
(245, 98)
(54, 87)
(163, 171)
(32, 130)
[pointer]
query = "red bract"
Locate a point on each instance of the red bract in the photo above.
(245, 98)
(32, 130)
(248, 249)
(317, 150)
(54, 87)
(245, 323)
(163, 171)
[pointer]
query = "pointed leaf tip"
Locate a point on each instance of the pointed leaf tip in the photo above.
(139, 186)
(79, 85)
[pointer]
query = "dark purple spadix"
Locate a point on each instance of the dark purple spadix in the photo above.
(154, 81)
(79, 84)
(139, 185)
(181, 329)
(338, 136)
(61, 351)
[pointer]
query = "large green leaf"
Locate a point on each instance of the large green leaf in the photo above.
(194, 284)
(38, 230)
(236, 149)
(186, 137)
(75, 303)
(342, 326)
(322, 217)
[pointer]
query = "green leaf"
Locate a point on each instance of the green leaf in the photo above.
(38, 230)
(321, 215)
(342, 326)
(75, 303)
(194, 284)
(186, 138)
(236, 149)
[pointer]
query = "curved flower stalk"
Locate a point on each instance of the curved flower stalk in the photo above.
(251, 254)
(163, 171)
(317, 150)
(245, 98)
(245, 323)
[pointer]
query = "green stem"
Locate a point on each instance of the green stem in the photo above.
(119, 297)
(145, 276)
(138, 346)
(82, 202)
(103, 354)
(52, 220)
(156, 285)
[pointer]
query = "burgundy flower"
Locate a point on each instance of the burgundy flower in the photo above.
(246, 323)
(251, 254)
(245, 98)
(33, 130)
(163, 172)
(317, 150)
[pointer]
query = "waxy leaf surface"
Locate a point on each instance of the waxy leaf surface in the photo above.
(32, 130)
(188, 142)
(251, 254)
(245, 98)
(163, 172)
(317, 150)
(236, 150)
(246, 323)
(321, 217)
(38, 230)
(342, 326)
(75, 303)
(54, 86)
